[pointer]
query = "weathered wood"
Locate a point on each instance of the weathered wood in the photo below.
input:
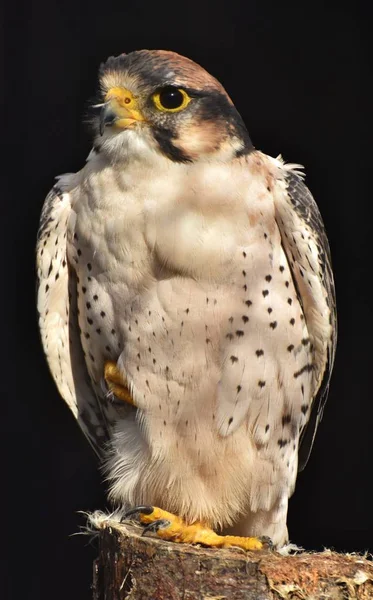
(132, 567)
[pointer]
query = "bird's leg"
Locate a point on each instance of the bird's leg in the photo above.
(172, 528)
(116, 383)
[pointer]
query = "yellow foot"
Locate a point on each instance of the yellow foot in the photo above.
(115, 382)
(172, 528)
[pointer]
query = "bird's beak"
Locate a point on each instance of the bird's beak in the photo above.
(120, 109)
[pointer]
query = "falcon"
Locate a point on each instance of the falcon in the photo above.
(186, 306)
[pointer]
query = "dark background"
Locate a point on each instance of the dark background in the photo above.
(299, 75)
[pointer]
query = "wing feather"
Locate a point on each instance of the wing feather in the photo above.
(307, 249)
(56, 304)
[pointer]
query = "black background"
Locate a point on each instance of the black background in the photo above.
(299, 74)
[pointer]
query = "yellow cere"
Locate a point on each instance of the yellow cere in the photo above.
(124, 104)
(122, 96)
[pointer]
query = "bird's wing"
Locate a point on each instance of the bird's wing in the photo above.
(56, 303)
(306, 247)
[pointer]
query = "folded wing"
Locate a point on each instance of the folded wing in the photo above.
(306, 246)
(58, 322)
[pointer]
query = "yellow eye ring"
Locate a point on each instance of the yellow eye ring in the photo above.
(171, 99)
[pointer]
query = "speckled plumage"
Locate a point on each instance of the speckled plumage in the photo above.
(207, 278)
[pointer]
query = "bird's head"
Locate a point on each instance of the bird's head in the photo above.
(155, 100)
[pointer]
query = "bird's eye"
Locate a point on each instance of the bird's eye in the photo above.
(171, 99)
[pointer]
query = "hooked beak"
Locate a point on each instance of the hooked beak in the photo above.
(107, 117)
(120, 109)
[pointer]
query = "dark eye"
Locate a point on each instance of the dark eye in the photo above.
(170, 99)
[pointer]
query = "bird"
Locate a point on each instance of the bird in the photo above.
(186, 306)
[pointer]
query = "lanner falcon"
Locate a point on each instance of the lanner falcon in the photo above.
(186, 306)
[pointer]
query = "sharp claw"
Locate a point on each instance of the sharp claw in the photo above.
(147, 510)
(267, 542)
(159, 524)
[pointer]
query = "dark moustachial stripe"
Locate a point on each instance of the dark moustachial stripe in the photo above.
(165, 138)
(210, 104)
(212, 107)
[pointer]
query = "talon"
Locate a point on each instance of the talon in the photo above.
(172, 528)
(146, 510)
(267, 542)
(156, 525)
(116, 383)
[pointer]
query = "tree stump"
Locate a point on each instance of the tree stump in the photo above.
(133, 567)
